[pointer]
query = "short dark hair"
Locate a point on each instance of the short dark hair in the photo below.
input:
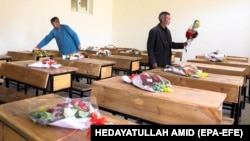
(55, 19)
(163, 14)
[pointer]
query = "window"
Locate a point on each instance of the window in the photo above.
(84, 6)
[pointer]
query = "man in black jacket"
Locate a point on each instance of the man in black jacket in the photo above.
(160, 43)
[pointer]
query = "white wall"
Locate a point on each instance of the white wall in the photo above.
(225, 24)
(25, 22)
(125, 23)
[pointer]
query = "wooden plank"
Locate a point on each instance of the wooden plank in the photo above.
(230, 85)
(122, 62)
(217, 69)
(228, 57)
(224, 63)
(90, 67)
(21, 55)
(14, 115)
(61, 82)
(25, 75)
(183, 106)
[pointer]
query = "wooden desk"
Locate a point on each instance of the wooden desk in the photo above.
(25, 55)
(127, 64)
(218, 69)
(231, 85)
(224, 63)
(144, 56)
(228, 58)
(47, 79)
(231, 63)
(5, 58)
(183, 106)
(15, 125)
(54, 53)
(89, 67)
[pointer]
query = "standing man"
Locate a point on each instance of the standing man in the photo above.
(67, 40)
(159, 43)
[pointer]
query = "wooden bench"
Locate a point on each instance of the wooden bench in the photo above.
(80, 88)
(9, 95)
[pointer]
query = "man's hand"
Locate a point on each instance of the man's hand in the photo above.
(185, 44)
(154, 65)
(36, 48)
(79, 47)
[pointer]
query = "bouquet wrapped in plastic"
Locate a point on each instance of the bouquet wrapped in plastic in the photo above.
(215, 56)
(149, 81)
(40, 53)
(71, 113)
(189, 71)
(45, 63)
(192, 32)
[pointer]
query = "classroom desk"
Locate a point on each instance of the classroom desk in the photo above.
(144, 56)
(25, 55)
(231, 85)
(127, 64)
(218, 69)
(224, 63)
(183, 106)
(15, 125)
(228, 58)
(5, 58)
(48, 79)
(232, 63)
(89, 67)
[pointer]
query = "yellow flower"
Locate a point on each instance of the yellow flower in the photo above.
(168, 89)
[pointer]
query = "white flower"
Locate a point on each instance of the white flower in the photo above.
(68, 112)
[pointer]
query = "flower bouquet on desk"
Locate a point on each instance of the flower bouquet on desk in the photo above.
(72, 113)
(73, 56)
(45, 63)
(192, 32)
(189, 71)
(40, 53)
(215, 56)
(104, 52)
(149, 82)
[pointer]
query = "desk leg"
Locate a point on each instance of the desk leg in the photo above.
(7, 82)
(237, 113)
(248, 89)
(51, 83)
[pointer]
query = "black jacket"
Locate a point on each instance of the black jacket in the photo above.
(159, 45)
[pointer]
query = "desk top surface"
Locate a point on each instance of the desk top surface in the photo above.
(5, 57)
(212, 77)
(88, 61)
(62, 69)
(119, 57)
(180, 94)
(15, 115)
(226, 62)
(211, 66)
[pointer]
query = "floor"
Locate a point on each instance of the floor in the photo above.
(244, 119)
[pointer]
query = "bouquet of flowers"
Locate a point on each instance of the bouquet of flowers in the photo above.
(73, 56)
(45, 63)
(192, 32)
(104, 52)
(189, 71)
(215, 56)
(73, 113)
(40, 53)
(149, 82)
